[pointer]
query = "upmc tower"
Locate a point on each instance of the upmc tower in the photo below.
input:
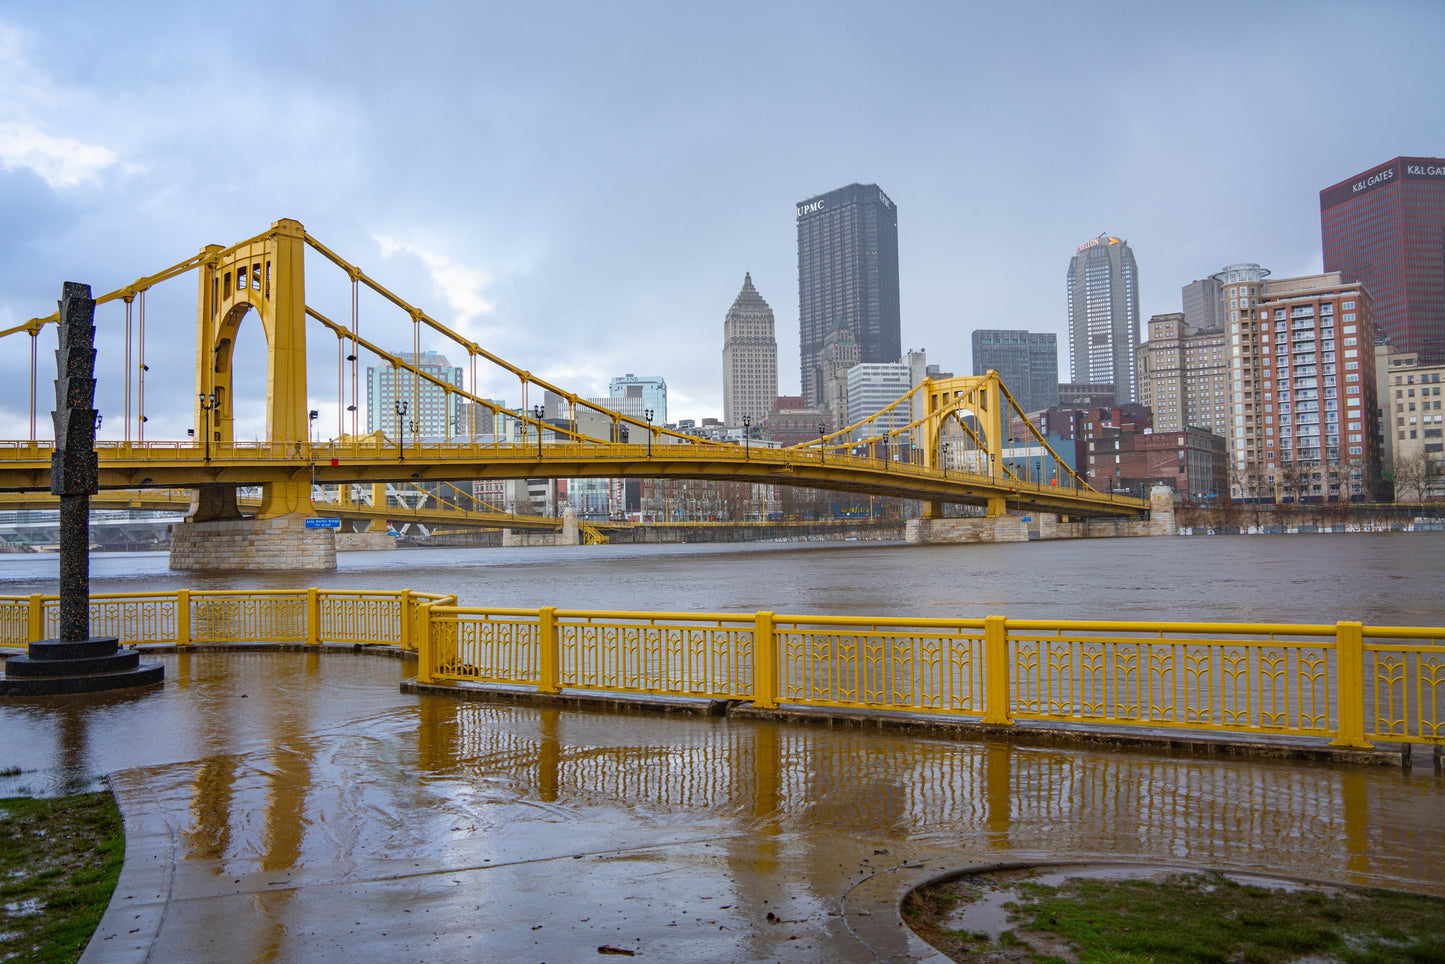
(1386, 229)
(848, 277)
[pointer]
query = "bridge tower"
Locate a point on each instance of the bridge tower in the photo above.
(264, 277)
(979, 398)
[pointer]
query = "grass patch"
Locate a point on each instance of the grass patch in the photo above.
(59, 862)
(1191, 919)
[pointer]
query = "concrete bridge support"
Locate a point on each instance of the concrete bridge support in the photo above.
(1044, 525)
(570, 535)
(245, 545)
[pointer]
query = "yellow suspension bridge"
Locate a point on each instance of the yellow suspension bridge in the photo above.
(943, 442)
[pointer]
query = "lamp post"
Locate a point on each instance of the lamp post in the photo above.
(945, 460)
(208, 405)
(747, 424)
(400, 407)
(537, 412)
(822, 452)
(649, 413)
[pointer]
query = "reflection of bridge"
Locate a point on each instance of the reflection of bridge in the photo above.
(942, 442)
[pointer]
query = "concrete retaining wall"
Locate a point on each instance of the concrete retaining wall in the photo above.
(356, 541)
(1010, 528)
(569, 536)
(251, 544)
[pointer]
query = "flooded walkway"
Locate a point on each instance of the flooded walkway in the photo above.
(285, 806)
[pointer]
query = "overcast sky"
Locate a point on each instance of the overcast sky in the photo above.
(581, 188)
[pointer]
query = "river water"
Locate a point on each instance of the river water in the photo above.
(1381, 579)
(308, 810)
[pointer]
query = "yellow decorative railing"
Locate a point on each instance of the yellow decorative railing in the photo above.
(1348, 683)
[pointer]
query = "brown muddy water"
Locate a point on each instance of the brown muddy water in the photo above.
(306, 809)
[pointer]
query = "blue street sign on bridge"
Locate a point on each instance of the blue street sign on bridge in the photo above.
(323, 523)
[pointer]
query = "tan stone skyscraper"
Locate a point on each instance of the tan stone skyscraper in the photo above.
(750, 358)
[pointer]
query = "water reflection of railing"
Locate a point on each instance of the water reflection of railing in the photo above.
(850, 780)
(1347, 682)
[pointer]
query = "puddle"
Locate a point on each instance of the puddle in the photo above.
(988, 912)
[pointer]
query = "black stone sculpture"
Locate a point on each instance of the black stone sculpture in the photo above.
(76, 662)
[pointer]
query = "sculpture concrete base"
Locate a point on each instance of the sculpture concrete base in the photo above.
(239, 545)
(55, 667)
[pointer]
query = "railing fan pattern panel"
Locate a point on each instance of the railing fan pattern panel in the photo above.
(248, 617)
(490, 646)
(360, 617)
(131, 618)
(1174, 678)
(704, 656)
(1404, 685)
(923, 666)
(14, 622)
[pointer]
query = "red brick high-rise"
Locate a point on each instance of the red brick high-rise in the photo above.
(1385, 228)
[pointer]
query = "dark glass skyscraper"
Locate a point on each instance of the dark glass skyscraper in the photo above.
(848, 271)
(1027, 361)
(1385, 228)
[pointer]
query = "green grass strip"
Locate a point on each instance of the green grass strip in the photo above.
(60, 859)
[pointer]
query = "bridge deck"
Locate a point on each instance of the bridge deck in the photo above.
(25, 467)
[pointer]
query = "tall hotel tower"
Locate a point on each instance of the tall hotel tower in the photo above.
(1385, 228)
(750, 358)
(1103, 288)
(848, 273)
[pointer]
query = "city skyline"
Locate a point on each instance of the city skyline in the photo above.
(485, 209)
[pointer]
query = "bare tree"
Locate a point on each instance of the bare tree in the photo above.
(1412, 476)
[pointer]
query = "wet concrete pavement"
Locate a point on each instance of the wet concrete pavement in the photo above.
(284, 806)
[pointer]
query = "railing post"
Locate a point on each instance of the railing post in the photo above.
(995, 671)
(1350, 685)
(426, 657)
(550, 661)
(765, 662)
(183, 617)
(313, 617)
(36, 630)
(404, 627)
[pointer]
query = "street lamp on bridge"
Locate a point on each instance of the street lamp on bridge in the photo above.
(945, 460)
(537, 412)
(822, 452)
(649, 413)
(208, 405)
(747, 424)
(400, 407)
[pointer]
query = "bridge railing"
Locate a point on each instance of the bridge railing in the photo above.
(371, 451)
(1348, 683)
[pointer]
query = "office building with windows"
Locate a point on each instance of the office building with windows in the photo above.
(1416, 423)
(1027, 361)
(750, 358)
(1248, 346)
(644, 392)
(1202, 304)
(1385, 228)
(873, 386)
(1183, 377)
(848, 275)
(430, 409)
(1103, 290)
(1303, 399)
